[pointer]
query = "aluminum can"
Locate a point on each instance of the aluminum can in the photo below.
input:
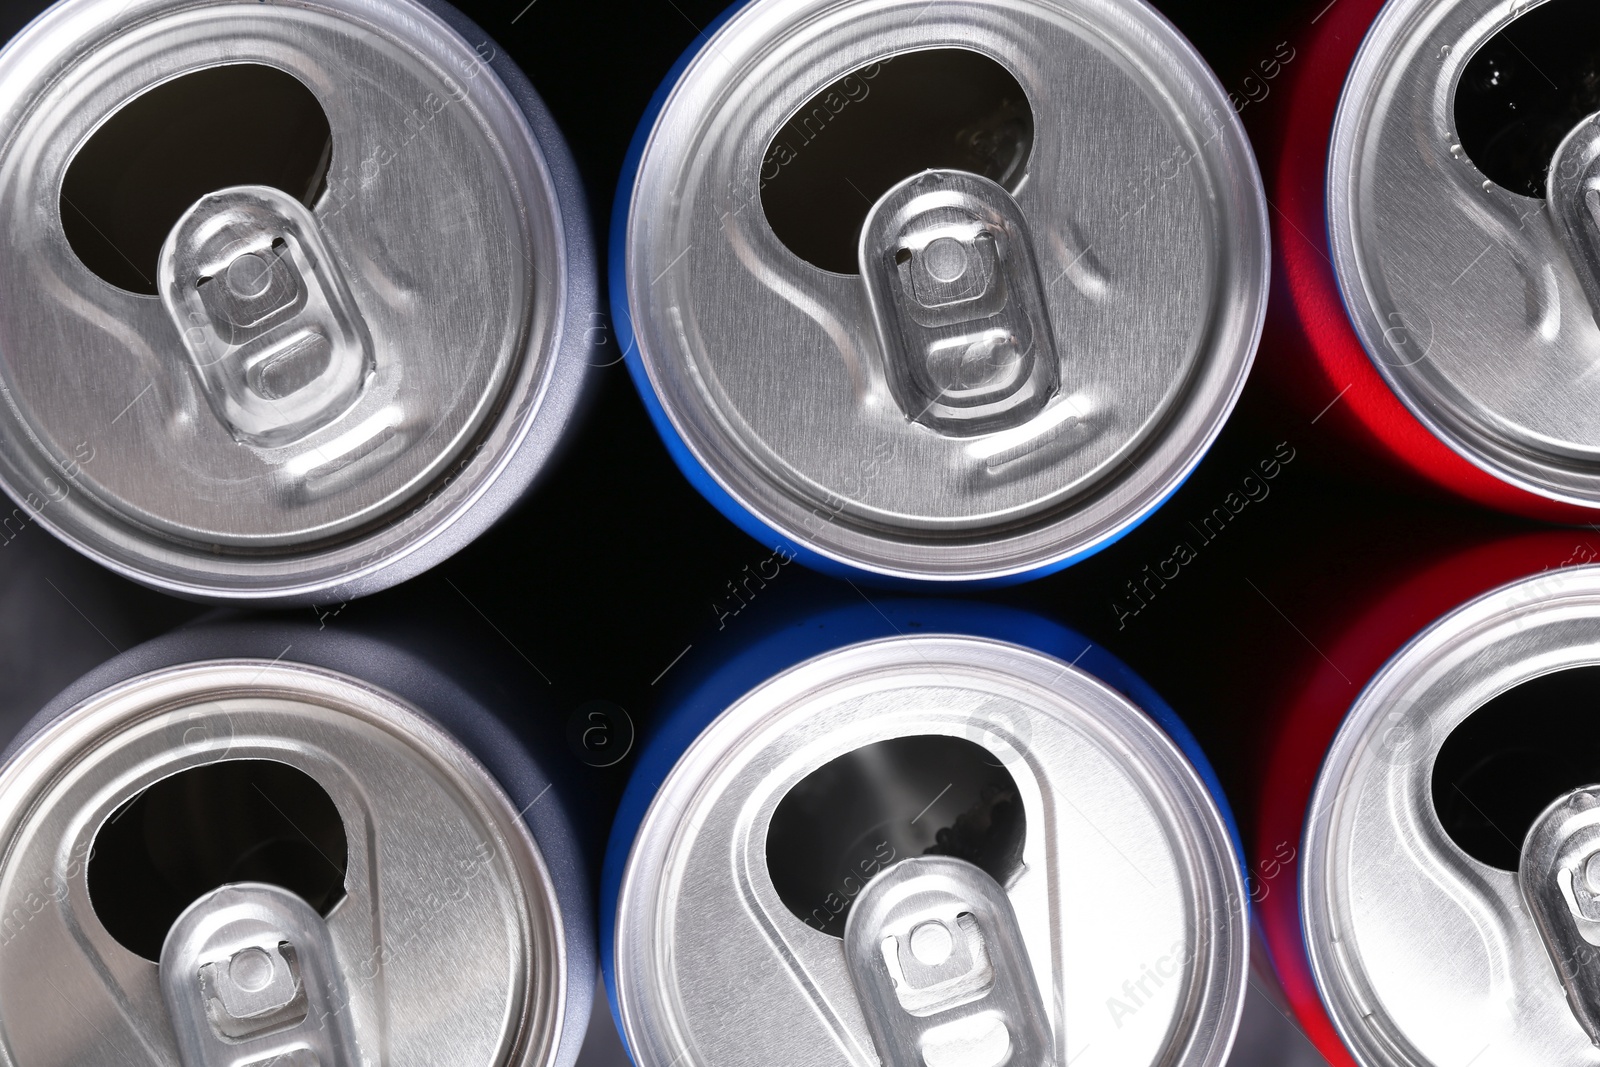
(257, 842)
(298, 297)
(1437, 298)
(806, 809)
(1392, 814)
(954, 291)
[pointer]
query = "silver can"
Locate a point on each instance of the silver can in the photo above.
(240, 844)
(297, 296)
(1462, 157)
(927, 850)
(1450, 881)
(949, 290)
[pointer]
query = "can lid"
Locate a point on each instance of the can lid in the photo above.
(1044, 320)
(941, 848)
(310, 380)
(1461, 237)
(435, 937)
(1440, 906)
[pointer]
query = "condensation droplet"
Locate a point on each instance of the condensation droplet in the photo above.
(1444, 51)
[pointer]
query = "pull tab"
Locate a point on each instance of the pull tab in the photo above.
(939, 965)
(955, 289)
(265, 315)
(1574, 193)
(250, 980)
(1560, 879)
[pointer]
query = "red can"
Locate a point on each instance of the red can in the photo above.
(1350, 647)
(1434, 299)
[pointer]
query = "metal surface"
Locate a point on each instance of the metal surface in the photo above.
(941, 970)
(1560, 880)
(1423, 954)
(444, 269)
(250, 976)
(1126, 892)
(1146, 216)
(448, 936)
(1467, 296)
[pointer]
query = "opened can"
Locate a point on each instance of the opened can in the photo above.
(956, 290)
(1431, 161)
(895, 831)
(254, 843)
(298, 296)
(1415, 745)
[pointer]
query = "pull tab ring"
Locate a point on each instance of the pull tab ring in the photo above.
(941, 970)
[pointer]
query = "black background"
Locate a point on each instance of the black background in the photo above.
(612, 571)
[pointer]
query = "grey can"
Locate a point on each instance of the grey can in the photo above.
(957, 290)
(252, 843)
(288, 384)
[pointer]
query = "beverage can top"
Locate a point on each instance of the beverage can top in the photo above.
(1463, 154)
(1443, 870)
(235, 852)
(1103, 899)
(950, 290)
(288, 285)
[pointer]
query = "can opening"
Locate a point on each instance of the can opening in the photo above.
(946, 108)
(242, 124)
(1512, 758)
(232, 821)
(927, 795)
(1525, 89)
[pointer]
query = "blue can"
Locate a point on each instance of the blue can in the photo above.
(886, 319)
(788, 789)
(415, 808)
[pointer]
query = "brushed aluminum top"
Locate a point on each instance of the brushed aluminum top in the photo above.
(1464, 292)
(447, 942)
(1128, 893)
(1425, 955)
(313, 391)
(1143, 208)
